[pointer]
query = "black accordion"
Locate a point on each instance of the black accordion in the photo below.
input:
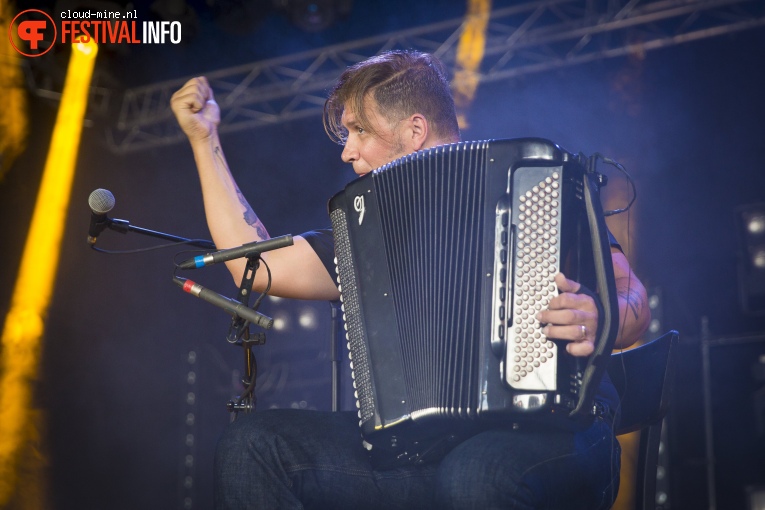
(444, 257)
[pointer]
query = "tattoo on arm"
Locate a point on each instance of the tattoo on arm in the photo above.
(219, 156)
(249, 215)
(633, 299)
(251, 218)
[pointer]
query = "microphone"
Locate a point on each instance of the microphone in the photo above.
(235, 253)
(231, 306)
(101, 201)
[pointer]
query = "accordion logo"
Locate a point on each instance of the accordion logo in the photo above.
(358, 206)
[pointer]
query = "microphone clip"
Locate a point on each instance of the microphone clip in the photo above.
(239, 328)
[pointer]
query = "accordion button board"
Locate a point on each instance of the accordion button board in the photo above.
(527, 258)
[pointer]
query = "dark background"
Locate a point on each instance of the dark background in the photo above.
(122, 341)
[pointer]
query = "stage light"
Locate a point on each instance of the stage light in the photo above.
(756, 224)
(756, 496)
(25, 321)
(308, 318)
(281, 321)
(239, 16)
(758, 259)
(13, 115)
(314, 15)
(470, 52)
(751, 264)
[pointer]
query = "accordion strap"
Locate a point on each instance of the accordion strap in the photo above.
(608, 306)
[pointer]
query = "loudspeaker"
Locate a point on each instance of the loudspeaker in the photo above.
(734, 415)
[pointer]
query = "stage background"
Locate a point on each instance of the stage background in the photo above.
(124, 347)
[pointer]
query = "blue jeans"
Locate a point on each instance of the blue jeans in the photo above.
(291, 459)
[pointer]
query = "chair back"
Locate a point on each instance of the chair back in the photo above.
(643, 379)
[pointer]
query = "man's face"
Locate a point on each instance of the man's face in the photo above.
(367, 149)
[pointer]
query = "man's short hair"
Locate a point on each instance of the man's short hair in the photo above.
(402, 83)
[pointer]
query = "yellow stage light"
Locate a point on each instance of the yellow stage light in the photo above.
(470, 52)
(13, 114)
(25, 321)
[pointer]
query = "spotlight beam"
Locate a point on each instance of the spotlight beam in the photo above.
(22, 334)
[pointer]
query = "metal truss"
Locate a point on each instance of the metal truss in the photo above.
(533, 37)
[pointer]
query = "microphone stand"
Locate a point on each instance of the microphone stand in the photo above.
(124, 226)
(243, 314)
(239, 333)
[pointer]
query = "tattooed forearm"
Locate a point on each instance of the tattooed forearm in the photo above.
(633, 299)
(249, 215)
(251, 218)
(219, 156)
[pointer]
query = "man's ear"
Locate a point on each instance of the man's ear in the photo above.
(420, 131)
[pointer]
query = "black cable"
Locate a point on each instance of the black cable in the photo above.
(268, 287)
(241, 329)
(620, 167)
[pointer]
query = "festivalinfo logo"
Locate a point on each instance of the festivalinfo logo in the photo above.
(34, 32)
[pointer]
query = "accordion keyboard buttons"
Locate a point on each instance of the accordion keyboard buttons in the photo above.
(536, 255)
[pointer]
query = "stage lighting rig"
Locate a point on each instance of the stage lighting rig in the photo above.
(751, 270)
(314, 15)
(240, 16)
(177, 10)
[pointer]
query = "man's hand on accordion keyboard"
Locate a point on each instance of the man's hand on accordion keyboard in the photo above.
(572, 317)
